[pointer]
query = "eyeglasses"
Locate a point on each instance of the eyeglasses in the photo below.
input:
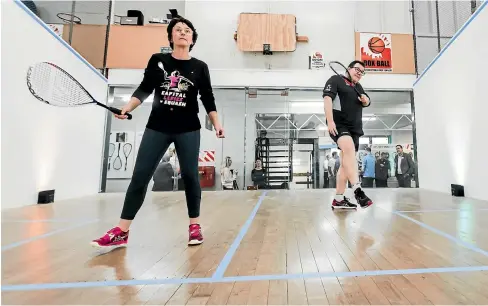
(361, 72)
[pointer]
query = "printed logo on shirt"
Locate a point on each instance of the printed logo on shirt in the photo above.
(328, 88)
(174, 87)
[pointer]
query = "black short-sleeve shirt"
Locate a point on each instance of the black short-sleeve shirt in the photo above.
(347, 110)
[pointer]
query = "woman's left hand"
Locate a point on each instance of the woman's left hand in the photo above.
(219, 131)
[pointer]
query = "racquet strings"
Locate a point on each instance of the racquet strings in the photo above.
(118, 161)
(127, 149)
(54, 86)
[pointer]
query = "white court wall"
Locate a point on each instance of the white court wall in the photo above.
(451, 108)
(45, 147)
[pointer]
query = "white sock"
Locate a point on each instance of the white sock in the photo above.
(339, 197)
(354, 187)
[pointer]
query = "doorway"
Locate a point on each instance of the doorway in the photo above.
(305, 164)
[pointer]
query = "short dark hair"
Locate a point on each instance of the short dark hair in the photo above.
(368, 149)
(356, 62)
(399, 146)
(172, 24)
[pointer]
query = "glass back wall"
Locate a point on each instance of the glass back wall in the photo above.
(275, 138)
(221, 161)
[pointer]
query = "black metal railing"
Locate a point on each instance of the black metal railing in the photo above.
(434, 24)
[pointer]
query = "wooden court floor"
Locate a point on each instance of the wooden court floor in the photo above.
(275, 247)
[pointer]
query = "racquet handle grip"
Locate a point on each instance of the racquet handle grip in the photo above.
(119, 112)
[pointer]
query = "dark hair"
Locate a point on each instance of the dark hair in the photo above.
(368, 149)
(354, 63)
(185, 21)
(399, 146)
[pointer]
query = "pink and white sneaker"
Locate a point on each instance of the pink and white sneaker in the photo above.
(114, 238)
(195, 234)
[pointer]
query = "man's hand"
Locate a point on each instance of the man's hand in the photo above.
(332, 128)
(364, 100)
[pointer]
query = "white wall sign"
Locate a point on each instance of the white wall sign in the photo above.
(317, 60)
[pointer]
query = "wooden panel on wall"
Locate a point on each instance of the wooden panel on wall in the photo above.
(131, 47)
(402, 53)
(252, 32)
(282, 34)
(89, 41)
(256, 29)
(406, 54)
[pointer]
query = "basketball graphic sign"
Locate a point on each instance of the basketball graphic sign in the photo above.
(375, 51)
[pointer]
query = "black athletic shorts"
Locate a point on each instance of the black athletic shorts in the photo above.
(344, 131)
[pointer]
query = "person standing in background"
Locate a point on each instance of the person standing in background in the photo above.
(326, 171)
(368, 169)
(258, 175)
(227, 177)
(382, 170)
(332, 170)
(404, 168)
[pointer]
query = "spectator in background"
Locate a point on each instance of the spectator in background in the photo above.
(333, 168)
(368, 169)
(163, 176)
(326, 171)
(258, 175)
(404, 168)
(382, 171)
(227, 176)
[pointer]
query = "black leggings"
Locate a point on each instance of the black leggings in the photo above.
(153, 146)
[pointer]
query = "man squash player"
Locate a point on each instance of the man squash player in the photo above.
(344, 112)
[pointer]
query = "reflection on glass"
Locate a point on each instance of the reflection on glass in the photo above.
(275, 138)
(268, 139)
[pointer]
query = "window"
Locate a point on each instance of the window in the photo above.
(379, 140)
(364, 140)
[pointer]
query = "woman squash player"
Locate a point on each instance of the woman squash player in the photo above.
(176, 79)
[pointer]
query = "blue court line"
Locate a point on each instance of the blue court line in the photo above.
(45, 26)
(139, 282)
(219, 273)
(482, 6)
(440, 210)
(445, 235)
(17, 244)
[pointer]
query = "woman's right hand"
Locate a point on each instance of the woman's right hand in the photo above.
(126, 109)
(332, 128)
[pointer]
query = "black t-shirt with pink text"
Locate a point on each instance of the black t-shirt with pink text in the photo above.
(176, 85)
